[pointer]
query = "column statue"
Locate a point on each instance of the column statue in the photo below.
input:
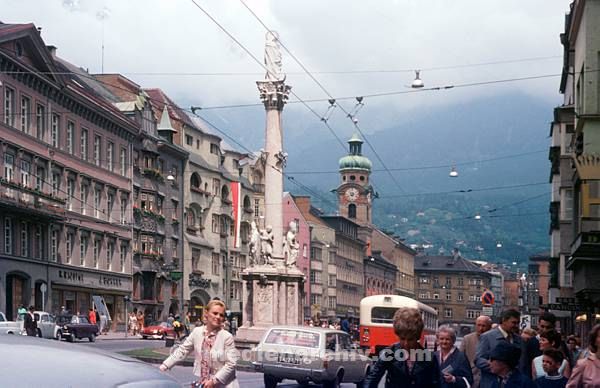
(291, 246)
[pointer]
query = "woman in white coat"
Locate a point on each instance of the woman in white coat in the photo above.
(215, 351)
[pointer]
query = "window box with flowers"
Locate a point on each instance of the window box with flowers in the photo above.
(137, 212)
(154, 174)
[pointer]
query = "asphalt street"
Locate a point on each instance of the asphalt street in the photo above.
(184, 374)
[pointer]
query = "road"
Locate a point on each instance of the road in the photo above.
(183, 374)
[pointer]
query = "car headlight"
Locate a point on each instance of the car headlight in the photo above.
(65, 327)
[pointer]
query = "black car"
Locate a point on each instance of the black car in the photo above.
(76, 327)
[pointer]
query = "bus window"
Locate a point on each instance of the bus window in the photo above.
(383, 314)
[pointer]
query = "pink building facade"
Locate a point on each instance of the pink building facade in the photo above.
(291, 213)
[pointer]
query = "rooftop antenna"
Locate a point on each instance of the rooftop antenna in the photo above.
(103, 15)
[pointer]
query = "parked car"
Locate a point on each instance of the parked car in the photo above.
(9, 327)
(76, 327)
(47, 327)
(29, 362)
(158, 330)
(46, 324)
(304, 354)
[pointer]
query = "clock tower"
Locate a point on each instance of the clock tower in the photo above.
(355, 194)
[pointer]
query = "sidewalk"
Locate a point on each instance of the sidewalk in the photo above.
(118, 335)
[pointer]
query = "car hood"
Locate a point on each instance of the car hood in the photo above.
(30, 361)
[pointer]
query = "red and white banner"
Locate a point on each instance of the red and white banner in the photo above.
(236, 197)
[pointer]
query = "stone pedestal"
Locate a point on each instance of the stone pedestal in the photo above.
(272, 296)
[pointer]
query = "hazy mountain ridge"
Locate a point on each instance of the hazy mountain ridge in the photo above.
(484, 129)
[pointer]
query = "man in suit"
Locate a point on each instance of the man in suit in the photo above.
(506, 332)
(469, 345)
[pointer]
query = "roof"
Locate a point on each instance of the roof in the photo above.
(398, 243)
(447, 264)
(355, 162)
(207, 129)
(307, 210)
(380, 259)
(158, 100)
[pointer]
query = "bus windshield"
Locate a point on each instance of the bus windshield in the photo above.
(383, 314)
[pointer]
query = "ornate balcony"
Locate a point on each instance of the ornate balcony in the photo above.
(27, 199)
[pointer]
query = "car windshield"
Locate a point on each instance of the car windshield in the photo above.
(62, 319)
(293, 337)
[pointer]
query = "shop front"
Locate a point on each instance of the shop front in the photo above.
(74, 290)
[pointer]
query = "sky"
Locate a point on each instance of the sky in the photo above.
(174, 45)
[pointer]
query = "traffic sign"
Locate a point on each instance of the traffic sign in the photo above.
(562, 307)
(487, 298)
(525, 322)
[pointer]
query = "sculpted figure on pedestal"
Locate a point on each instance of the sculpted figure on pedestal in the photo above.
(291, 246)
(267, 238)
(254, 245)
(272, 57)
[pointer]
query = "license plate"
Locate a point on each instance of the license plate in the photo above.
(289, 359)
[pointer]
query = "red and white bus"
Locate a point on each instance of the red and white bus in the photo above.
(377, 318)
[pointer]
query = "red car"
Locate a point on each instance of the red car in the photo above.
(158, 330)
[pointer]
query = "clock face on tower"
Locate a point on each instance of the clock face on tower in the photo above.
(352, 194)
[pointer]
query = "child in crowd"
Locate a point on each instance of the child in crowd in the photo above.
(551, 362)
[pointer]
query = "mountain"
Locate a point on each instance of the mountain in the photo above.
(499, 146)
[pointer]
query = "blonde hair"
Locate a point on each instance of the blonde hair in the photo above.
(530, 332)
(213, 303)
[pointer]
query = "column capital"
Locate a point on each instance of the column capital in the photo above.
(274, 94)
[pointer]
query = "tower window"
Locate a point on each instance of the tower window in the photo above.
(352, 211)
(352, 178)
(362, 178)
(344, 178)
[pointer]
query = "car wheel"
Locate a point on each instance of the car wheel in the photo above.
(39, 333)
(58, 335)
(270, 381)
(144, 337)
(92, 338)
(335, 383)
(303, 383)
(71, 338)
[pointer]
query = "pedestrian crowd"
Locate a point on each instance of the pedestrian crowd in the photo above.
(493, 356)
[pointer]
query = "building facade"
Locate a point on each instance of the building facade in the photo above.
(349, 263)
(453, 286)
(576, 139)
(323, 252)
(157, 198)
(313, 288)
(66, 185)
(401, 256)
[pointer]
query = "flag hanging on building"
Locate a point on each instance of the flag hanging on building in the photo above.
(236, 194)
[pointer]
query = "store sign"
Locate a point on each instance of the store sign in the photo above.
(89, 279)
(71, 276)
(109, 281)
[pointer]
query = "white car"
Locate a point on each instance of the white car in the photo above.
(324, 356)
(46, 325)
(9, 327)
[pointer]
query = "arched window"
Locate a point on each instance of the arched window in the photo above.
(195, 180)
(225, 193)
(191, 218)
(352, 211)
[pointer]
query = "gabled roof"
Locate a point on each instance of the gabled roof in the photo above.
(307, 210)
(398, 243)
(159, 99)
(36, 49)
(447, 264)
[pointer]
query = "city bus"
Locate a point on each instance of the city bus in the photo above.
(377, 317)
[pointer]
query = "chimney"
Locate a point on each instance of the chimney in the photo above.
(39, 29)
(455, 254)
(52, 49)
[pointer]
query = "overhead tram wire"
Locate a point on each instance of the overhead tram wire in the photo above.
(427, 167)
(264, 67)
(330, 97)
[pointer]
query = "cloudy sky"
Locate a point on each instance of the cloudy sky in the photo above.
(172, 44)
